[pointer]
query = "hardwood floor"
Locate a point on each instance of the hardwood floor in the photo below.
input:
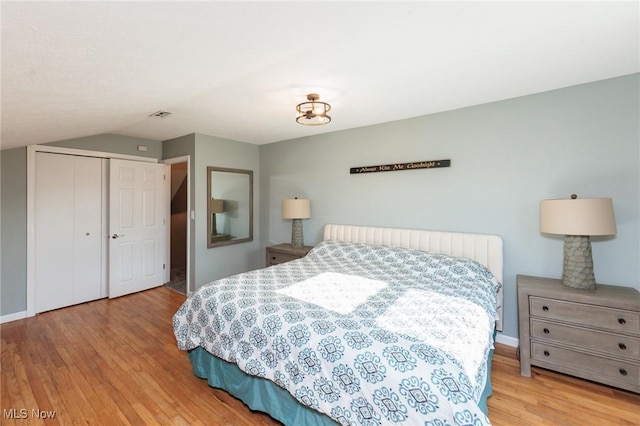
(113, 362)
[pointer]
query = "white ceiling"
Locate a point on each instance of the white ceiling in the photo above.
(237, 69)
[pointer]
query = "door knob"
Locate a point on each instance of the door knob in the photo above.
(114, 236)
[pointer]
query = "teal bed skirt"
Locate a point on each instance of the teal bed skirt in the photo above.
(263, 395)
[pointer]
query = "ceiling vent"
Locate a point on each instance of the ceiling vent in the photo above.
(159, 114)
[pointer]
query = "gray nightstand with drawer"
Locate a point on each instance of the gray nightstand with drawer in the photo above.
(592, 334)
(282, 253)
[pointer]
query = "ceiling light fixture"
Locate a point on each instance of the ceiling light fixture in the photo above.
(314, 112)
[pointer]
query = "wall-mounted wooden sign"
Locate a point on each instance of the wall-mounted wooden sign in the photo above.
(401, 166)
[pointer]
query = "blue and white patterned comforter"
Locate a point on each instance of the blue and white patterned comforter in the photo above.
(365, 334)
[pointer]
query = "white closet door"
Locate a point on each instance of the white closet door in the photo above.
(54, 232)
(87, 219)
(68, 230)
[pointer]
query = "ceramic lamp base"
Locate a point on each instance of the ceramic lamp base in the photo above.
(297, 239)
(214, 229)
(577, 271)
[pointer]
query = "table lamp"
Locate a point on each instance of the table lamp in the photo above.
(217, 206)
(577, 219)
(296, 209)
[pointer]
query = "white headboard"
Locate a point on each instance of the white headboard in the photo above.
(483, 248)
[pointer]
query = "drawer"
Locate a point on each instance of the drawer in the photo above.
(617, 320)
(591, 367)
(275, 258)
(614, 344)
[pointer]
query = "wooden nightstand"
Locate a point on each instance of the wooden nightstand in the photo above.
(592, 334)
(282, 253)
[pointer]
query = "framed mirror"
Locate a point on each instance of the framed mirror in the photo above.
(229, 206)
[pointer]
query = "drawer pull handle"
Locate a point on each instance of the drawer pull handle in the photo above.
(545, 308)
(546, 353)
(622, 321)
(623, 371)
(622, 346)
(546, 331)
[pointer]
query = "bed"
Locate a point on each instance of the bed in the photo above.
(373, 326)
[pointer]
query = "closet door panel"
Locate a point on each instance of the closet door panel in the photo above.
(88, 211)
(54, 231)
(68, 230)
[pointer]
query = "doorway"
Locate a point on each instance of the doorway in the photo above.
(179, 225)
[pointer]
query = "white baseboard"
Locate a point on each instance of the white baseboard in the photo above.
(507, 340)
(13, 317)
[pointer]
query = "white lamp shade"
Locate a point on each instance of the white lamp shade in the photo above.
(580, 216)
(217, 206)
(296, 209)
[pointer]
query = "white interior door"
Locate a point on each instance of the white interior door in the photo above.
(137, 226)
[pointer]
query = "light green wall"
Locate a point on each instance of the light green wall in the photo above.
(505, 157)
(13, 278)
(223, 261)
